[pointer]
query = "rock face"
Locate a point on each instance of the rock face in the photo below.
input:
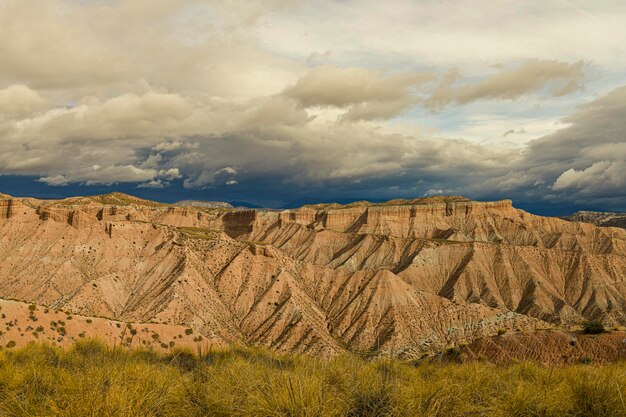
(599, 218)
(403, 277)
(205, 204)
(547, 347)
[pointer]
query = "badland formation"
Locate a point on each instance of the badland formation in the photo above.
(405, 277)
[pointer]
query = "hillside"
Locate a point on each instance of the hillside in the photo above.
(22, 323)
(403, 278)
(600, 218)
(205, 204)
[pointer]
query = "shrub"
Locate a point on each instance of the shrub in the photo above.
(32, 307)
(593, 327)
(91, 378)
(501, 332)
(188, 331)
(11, 344)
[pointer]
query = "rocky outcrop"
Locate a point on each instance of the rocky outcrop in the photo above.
(402, 277)
(7, 208)
(546, 347)
(599, 218)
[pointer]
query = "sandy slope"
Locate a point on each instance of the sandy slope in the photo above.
(22, 323)
(402, 277)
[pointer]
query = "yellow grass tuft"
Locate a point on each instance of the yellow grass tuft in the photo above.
(91, 379)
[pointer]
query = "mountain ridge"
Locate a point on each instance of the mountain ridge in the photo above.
(599, 218)
(403, 277)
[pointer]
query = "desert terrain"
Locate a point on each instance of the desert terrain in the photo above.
(403, 278)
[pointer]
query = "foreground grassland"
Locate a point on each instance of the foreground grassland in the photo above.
(92, 380)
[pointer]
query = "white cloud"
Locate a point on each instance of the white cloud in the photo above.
(367, 94)
(601, 175)
(531, 76)
(56, 180)
(431, 192)
(451, 32)
(19, 100)
(170, 174)
(152, 184)
(226, 170)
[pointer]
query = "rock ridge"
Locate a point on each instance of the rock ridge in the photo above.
(403, 277)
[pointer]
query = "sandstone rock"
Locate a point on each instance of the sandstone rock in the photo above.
(402, 277)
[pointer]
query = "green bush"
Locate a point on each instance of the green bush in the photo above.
(593, 327)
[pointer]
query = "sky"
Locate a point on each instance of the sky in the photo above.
(283, 102)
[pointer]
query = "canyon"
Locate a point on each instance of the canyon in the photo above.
(403, 278)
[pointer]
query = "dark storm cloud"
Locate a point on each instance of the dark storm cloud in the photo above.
(189, 97)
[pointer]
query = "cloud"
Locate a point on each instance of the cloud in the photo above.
(55, 180)
(226, 171)
(170, 174)
(585, 160)
(451, 33)
(599, 176)
(207, 178)
(19, 100)
(508, 84)
(152, 184)
(109, 48)
(514, 132)
(222, 95)
(431, 192)
(367, 94)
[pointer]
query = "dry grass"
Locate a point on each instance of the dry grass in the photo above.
(93, 380)
(199, 233)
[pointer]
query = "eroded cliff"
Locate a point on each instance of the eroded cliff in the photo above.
(402, 277)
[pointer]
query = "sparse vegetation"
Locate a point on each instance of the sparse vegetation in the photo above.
(91, 379)
(199, 233)
(113, 199)
(593, 327)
